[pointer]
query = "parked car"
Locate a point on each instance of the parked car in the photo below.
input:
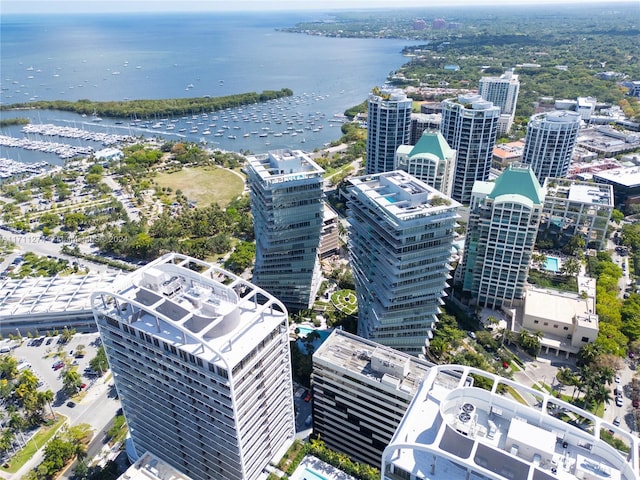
(618, 401)
(635, 402)
(616, 421)
(307, 397)
(71, 404)
(617, 379)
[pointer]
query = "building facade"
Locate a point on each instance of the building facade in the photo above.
(503, 92)
(330, 239)
(388, 127)
(361, 391)
(551, 138)
(430, 160)
(574, 207)
(567, 320)
(200, 360)
(455, 431)
(470, 125)
(400, 245)
(287, 206)
(421, 122)
(503, 223)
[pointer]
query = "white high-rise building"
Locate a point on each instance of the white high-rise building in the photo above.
(551, 138)
(200, 360)
(503, 224)
(470, 125)
(400, 243)
(388, 127)
(503, 92)
(286, 202)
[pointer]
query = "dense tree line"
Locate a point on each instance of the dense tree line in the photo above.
(154, 108)
(200, 232)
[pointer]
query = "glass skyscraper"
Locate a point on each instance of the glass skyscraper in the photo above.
(400, 244)
(286, 201)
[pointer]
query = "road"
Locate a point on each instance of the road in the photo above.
(34, 242)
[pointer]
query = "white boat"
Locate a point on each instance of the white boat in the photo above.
(232, 137)
(206, 132)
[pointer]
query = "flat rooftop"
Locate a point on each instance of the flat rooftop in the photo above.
(560, 306)
(380, 363)
(150, 467)
(625, 176)
(402, 195)
(51, 295)
(593, 194)
(194, 305)
(284, 165)
(450, 427)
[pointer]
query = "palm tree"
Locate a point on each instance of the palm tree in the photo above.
(48, 397)
(601, 394)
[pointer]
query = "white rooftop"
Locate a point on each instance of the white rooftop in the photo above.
(559, 306)
(284, 165)
(196, 306)
(150, 467)
(593, 194)
(42, 295)
(453, 428)
(625, 176)
(402, 195)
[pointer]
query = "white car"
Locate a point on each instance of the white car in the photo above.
(617, 379)
(618, 401)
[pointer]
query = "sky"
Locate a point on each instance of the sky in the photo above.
(115, 6)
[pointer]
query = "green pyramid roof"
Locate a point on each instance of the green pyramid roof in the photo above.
(518, 180)
(434, 143)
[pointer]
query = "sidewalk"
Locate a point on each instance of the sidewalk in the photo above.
(97, 423)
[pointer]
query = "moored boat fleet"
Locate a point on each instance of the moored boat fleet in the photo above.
(51, 130)
(63, 150)
(10, 168)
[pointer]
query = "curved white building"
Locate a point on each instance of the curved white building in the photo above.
(200, 359)
(470, 125)
(388, 127)
(551, 138)
(456, 431)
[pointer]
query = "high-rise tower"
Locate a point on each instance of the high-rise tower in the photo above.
(551, 138)
(200, 360)
(286, 202)
(388, 127)
(430, 160)
(503, 92)
(469, 125)
(503, 224)
(400, 243)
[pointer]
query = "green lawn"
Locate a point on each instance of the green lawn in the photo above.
(345, 301)
(205, 185)
(39, 439)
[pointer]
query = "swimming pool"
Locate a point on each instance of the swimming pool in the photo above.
(552, 264)
(304, 331)
(312, 475)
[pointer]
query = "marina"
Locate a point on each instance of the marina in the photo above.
(10, 168)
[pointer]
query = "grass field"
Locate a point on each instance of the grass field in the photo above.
(204, 185)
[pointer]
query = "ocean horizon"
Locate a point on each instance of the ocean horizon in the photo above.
(155, 56)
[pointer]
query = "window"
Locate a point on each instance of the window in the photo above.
(585, 339)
